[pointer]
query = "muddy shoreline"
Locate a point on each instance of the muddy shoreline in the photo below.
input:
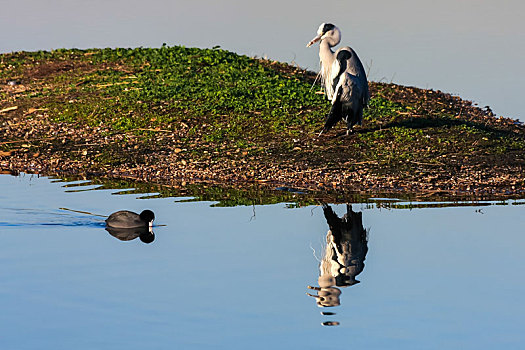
(49, 154)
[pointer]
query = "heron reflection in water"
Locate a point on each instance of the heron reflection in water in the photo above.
(343, 256)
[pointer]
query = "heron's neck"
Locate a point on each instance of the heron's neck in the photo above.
(327, 58)
(325, 53)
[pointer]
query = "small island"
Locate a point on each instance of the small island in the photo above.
(176, 116)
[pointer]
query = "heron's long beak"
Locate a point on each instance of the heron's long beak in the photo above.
(314, 40)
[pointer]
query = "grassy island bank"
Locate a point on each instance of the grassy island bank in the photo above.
(177, 116)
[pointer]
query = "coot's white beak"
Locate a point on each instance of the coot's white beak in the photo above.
(314, 40)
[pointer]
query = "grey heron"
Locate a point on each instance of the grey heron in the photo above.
(343, 77)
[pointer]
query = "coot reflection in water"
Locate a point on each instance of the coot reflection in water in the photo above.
(127, 234)
(342, 259)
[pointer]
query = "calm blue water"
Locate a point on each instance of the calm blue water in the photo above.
(233, 278)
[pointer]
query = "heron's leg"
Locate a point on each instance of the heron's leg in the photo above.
(351, 121)
(349, 126)
(360, 116)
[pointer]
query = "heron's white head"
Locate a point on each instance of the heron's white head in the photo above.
(327, 32)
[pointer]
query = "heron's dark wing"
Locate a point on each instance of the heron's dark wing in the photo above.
(345, 102)
(356, 68)
(336, 111)
(338, 67)
(354, 65)
(342, 59)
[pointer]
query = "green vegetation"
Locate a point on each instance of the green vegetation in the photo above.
(176, 113)
(216, 93)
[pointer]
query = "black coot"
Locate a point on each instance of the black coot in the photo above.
(129, 219)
